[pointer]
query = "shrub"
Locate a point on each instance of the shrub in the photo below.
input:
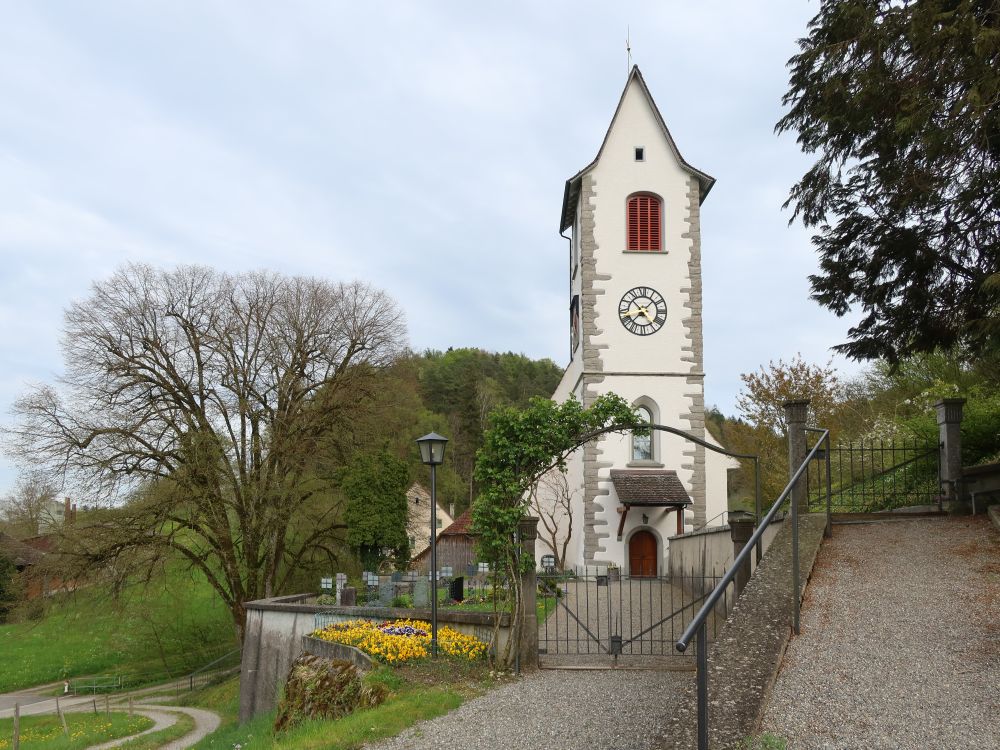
(319, 688)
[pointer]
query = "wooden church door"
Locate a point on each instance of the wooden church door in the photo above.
(642, 558)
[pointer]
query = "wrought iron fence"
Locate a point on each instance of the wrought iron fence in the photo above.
(592, 615)
(875, 475)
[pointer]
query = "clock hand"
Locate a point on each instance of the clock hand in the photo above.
(648, 316)
(633, 313)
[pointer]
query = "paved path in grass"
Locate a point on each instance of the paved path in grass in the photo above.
(590, 710)
(205, 722)
(39, 700)
(900, 643)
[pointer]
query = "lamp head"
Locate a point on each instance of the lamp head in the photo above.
(432, 448)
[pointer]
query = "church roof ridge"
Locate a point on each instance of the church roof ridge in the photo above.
(572, 191)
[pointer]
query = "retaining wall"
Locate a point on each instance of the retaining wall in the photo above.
(709, 551)
(276, 628)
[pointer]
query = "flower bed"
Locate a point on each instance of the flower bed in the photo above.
(401, 641)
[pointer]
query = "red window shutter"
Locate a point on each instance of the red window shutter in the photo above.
(633, 223)
(654, 224)
(643, 217)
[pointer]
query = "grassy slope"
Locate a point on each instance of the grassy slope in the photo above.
(46, 732)
(418, 692)
(170, 626)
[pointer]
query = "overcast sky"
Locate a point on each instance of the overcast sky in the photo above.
(419, 146)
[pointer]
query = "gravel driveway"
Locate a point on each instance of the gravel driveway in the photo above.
(900, 643)
(590, 710)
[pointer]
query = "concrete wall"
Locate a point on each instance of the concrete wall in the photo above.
(274, 639)
(709, 551)
(272, 642)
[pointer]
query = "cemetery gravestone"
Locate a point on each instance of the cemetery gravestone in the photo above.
(456, 589)
(385, 594)
(349, 596)
(421, 593)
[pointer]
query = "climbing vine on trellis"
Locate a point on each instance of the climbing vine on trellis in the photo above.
(518, 448)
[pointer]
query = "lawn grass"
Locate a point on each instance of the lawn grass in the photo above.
(544, 605)
(417, 692)
(152, 632)
(153, 740)
(85, 729)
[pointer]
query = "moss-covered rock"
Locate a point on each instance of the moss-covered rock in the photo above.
(320, 688)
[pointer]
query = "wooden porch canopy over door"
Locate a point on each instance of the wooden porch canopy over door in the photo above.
(650, 488)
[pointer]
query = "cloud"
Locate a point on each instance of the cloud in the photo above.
(422, 147)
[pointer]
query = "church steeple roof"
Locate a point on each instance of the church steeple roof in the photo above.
(572, 192)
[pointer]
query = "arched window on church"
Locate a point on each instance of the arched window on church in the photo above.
(642, 440)
(643, 219)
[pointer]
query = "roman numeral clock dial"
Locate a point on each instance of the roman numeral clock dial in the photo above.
(642, 311)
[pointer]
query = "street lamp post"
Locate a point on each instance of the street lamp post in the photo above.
(432, 453)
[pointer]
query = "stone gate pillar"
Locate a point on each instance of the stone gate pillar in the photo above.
(949, 419)
(527, 532)
(795, 422)
(741, 525)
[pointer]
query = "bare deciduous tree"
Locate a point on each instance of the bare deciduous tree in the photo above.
(207, 399)
(552, 502)
(25, 509)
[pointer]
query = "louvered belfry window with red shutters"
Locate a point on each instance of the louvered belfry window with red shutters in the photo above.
(644, 223)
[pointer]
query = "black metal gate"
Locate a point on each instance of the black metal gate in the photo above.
(875, 475)
(592, 617)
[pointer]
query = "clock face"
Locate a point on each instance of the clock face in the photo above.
(642, 310)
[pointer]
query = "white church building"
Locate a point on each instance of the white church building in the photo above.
(635, 314)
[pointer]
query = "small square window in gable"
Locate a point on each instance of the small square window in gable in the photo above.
(640, 153)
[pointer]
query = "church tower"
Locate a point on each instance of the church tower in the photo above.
(635, 314)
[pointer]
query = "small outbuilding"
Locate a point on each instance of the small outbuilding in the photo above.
(456, 548)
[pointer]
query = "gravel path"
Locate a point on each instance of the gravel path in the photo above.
(590, 710)
(900, 643)
(205, 722)
(161, 720)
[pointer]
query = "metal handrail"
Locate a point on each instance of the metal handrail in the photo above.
(201, 670)
(697, 625)
(119, 682)
(713, 598)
